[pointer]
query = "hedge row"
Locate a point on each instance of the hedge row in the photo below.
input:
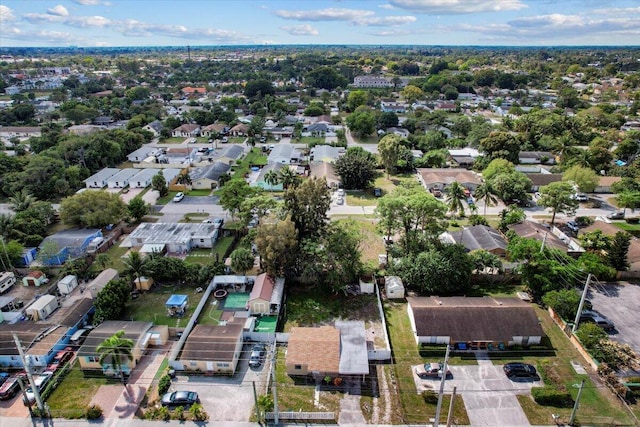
(549, 396)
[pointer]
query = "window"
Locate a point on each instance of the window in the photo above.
(201, 240)
(223, 365)
(297, 367)
(193, 363)
(92, 359)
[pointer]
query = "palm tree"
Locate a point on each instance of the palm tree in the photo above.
(289, 177)
(103, 261)
(242, 260)
(486, 193)
(135, 265)
(184, 179)
(116, 350)
(455, 196)
(22, 200)
(272, 178)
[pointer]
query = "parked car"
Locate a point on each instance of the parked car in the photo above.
(225, 140)
(193, 141)
(616, 215)
(340, 200)
(40, 381)
(582, 197)
(520, 370)
(263, 139)
(63, 357)
(180, 398)
(431, 370)
(178, 197)
(340, 192)
(9, 388)
(573, 226)
(253, 223)
(592, 316)
(436, 192)
(258, 353)
(377, 192)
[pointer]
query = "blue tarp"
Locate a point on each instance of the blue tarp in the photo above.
(177, 300)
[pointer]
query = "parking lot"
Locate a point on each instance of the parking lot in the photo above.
(228, 398)
(489, 396)
(619, 303)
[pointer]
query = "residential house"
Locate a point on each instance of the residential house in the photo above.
(464, 157)
(208, 177)
(193, 91)
(214, 129)
(21, 132)
(35, 278)
(540, 179)
(229, 154)
(325, 153)
(474, 322)
(605, 184)
(401, 132)
(552, 237)
(28, 333)
(177, 238)
(102, 280)
(324, 170)
(122, 178)
(99, 179)
(143, 178)
(155, 127)
(318, 129)
(328, 351)
(536, 157)
(240, 129)
(186, 130)
(102, 121)
(633, 254)
(141, 154)
(440, 178)
(372, 81)
(83, 130)
(393, 107)
(266, 296)
(213, 349)
(71, 243)
(261, 178)
(284, 153)
(479, 237)
(89, 358)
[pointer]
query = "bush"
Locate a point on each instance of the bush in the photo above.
(634, 220)
(477, 220)
(164, 384)
(549, 396)
(584, 221)
(93, 412)
(430, 397)
(198, 413)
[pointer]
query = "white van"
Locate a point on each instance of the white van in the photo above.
(7, 280)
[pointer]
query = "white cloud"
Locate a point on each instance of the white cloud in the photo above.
(331, 14)
(392, 33)
(455, 7)
(6, 15)
(87, 2)
(300, 30)
(36, 18)
(386, 6)
(89, 22)
(58, 10)
(386, 21)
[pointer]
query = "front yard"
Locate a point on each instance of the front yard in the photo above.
(72, 396)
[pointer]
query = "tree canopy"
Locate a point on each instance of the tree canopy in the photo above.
(93, 209)
(356, 168)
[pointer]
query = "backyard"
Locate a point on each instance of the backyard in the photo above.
(150, 306)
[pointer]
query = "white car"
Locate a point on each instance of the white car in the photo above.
(340, 201)
(178, 197)
(340, 193)
(40, 381)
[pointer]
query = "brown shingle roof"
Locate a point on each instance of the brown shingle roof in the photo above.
(262, 288)
(474, 318)
(213, 342)
(534, 230)
(538, 179)
(447, 176)
(317, 348)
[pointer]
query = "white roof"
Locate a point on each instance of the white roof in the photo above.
(102, 175)
(123, 175)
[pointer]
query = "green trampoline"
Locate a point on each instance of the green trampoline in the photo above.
(266, 324)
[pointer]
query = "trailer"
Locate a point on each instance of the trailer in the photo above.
(42, 307)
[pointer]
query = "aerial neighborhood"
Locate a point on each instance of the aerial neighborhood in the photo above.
(283, 234)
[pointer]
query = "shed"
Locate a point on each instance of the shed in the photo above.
(177, 305)
(67, 284)
(101, 281)
(42, 307)
(143, 283)
(393, 287)
(34, 278)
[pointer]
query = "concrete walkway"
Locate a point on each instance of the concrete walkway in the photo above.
(350, 412)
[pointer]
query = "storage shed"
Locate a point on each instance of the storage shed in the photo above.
(393, 287)
(34, 278)
(67, 284)
(42, 307)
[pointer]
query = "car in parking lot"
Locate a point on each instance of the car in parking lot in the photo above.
(178, 197)
(377, 192)
(40, 381)
(193, 141)
(9, 388)
(573, 226)
(431, 370)
(581, 197)
(616, 215)
(180, 398)
(516, 370)
(258, 353)
(340, 192)
(340, 200)
(592, 316)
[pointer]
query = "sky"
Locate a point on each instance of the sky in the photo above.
(91, 23)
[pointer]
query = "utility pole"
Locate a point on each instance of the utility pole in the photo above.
(255, 400)
(544, 240)
(27, 368)
(276, 417)
(436, 420)
(24, 395)
(450, 415)
(576, 405)
(576, 321)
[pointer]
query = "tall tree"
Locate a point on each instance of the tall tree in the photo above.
(272, 178)
(586, 179)
(234, 193)
(455, 196)
(93, 209)
(308, 205)
(241, 260)
(288, 177)
(362, 122)
(111, 301)
(619, 250)
(116, 351)
(159, 184)
(277, 241)
(559, 197)
(356, 168)
(135, 265)
(486, 194)
(389, 149)
(137, 208)
(22, 200)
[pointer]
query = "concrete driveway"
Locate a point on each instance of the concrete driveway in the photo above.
(228, 398)
(619, 303)
(488, 395)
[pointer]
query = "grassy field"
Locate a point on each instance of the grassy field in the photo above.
(633, 228)
(361, 198)
(405, 354)
(115, 254)
(72, 396)
(597, 404)
(372, 244)
(150, 306)
(176, 140)
(387, 185)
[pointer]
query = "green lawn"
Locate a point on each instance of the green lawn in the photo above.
(311, 140)
(405, 353)
(115, 254)
(254, 158)
(73, 394)
(361, 198)
(387, 185)
(632, 228)
(150, 306)
(177, 140)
